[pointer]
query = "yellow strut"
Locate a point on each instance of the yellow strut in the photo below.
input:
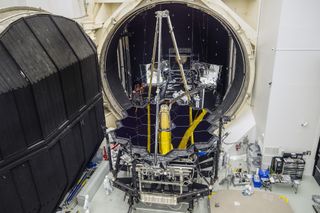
(190, 123)
(190, 130)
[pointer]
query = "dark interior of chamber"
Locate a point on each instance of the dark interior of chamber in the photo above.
(209, 40)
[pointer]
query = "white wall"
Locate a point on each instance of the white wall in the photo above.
(265, 55)
(67, 8)
(294, 94)
(294, 100)
(11, 3)
(243, 125)
(246, 9)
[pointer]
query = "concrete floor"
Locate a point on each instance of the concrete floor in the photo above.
(300, 202)
(260, 201)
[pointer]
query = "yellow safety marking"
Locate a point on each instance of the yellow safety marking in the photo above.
(284, 198)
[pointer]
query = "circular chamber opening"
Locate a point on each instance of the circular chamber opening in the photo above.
(212, 56)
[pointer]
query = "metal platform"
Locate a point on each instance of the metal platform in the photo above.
(149, 208)
(200, 206)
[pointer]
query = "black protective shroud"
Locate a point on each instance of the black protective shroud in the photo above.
(51, 111)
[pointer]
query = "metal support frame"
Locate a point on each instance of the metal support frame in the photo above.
(196, 190)
(139, 185)
(218, 150)
(178, 58)
(116, 170)
(106, 136)
(157, 41)
(150, 84)
(159, 16)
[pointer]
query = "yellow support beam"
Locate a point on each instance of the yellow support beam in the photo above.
(165, 131)
(190, 123)
(190, 130)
